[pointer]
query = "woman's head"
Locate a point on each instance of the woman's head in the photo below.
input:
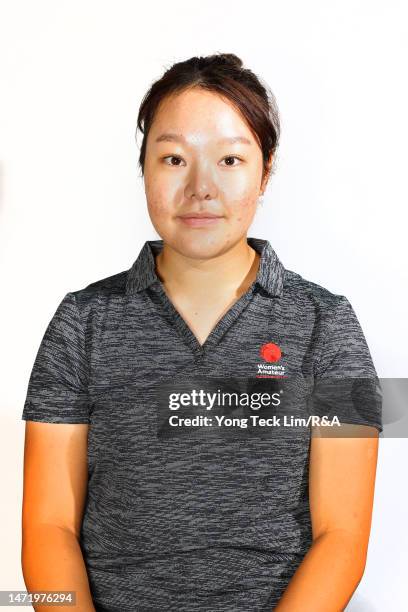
(210, 133)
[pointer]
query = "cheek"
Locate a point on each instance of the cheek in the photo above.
(157, 206)
(158, 198)
(160, 213)
(163, 194)
(243, 208)
(247, 202)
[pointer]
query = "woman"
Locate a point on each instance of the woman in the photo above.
(135, 510)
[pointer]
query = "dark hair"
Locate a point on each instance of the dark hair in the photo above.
(222, 73)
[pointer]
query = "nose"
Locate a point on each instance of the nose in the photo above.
(200, 183)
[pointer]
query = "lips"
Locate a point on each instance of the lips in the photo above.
(201, 215)
(200, 219)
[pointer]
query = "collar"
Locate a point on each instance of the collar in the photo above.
(270, 275)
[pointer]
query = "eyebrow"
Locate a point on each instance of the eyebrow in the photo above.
(169, 137)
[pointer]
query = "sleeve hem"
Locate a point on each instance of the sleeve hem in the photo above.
(41, 418)
(350, 422)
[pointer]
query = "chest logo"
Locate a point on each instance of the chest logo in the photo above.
(271, 353)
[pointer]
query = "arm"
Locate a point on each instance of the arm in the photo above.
(55, 484)
(341, 491)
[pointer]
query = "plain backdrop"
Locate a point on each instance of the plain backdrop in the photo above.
(73, 210)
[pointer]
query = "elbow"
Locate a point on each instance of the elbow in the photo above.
(349, 546)
(361, 566)
(42, 544)
(30, 551)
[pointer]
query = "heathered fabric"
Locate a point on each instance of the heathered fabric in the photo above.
(179, 524)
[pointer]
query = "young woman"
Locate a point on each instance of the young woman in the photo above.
(132, 515)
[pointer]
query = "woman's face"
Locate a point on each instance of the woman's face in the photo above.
(201, 158)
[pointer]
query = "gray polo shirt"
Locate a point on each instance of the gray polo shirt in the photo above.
(190, 522)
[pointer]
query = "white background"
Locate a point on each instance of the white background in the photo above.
(72, 205)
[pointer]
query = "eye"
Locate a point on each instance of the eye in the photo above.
(178, 160)
(172, 157)
(230, 157)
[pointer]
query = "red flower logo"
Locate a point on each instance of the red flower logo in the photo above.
(270, 352)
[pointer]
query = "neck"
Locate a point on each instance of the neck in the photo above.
(232, 271)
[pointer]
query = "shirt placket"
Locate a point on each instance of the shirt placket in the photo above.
(174, 318)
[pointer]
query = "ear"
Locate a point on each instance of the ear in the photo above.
(267, 173)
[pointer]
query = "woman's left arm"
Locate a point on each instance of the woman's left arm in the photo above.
(341, 492)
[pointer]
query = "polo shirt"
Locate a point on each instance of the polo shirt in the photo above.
(187, 521)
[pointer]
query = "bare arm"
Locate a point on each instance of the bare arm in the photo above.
(55, 485)
(341, 492)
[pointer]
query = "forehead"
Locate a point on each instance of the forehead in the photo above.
(196, 112)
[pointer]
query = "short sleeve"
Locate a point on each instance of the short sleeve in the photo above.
(58, 386)
(345, 376)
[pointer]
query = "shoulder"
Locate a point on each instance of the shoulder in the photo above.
(108, 286)
(100, 294)
(310, 297)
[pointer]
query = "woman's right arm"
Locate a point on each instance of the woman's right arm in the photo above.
(54, 493)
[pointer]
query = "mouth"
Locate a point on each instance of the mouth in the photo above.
(200, 219)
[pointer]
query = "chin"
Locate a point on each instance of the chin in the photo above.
(200, 244)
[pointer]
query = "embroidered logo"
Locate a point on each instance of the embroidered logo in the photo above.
(271, 353)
